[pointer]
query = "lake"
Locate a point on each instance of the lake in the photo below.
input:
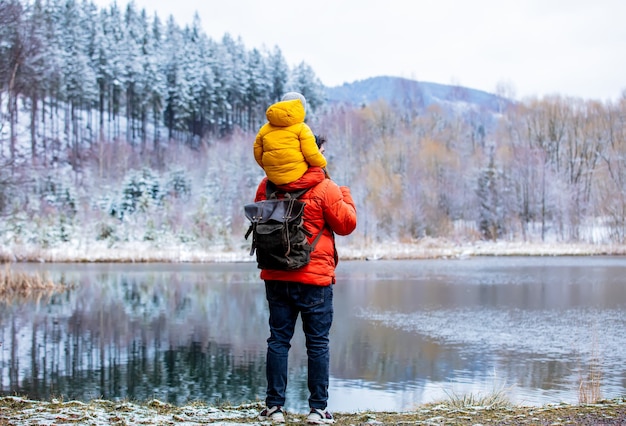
(405, 332)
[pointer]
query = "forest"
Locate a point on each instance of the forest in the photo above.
(117, 127)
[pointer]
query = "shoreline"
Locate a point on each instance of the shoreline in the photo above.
(22, 411)
(140, 252)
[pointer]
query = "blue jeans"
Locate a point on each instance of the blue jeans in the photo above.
(286, 300)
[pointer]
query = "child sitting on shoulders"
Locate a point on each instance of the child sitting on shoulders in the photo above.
(285, 146)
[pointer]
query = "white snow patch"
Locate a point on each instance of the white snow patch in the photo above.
(102, 412)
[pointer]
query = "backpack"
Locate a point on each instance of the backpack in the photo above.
(277, 228)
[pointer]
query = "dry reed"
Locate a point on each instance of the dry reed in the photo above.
(15, 283)
(589, 390)
(590, 381)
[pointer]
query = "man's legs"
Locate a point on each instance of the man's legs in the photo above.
(316, 308)
(282, 322)
(315, 305)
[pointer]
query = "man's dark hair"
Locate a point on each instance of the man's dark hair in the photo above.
(320, 140)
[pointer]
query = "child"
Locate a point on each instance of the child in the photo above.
(285, 146)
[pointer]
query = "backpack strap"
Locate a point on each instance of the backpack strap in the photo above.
(319, 235)
(271, 191)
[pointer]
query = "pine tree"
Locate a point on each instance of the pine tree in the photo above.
(278, 73)
(258, 86)
(304, 80)
(490, 209)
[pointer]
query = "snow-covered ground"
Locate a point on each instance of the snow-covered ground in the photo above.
(103, 412)
(423, 249)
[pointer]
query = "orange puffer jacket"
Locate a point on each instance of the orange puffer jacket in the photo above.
(330, 209)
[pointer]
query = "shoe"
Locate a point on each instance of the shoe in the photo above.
(274, 414)
(319, 417)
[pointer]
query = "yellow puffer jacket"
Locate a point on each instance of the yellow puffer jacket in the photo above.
(285, 146)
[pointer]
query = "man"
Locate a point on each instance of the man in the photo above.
(308, 292)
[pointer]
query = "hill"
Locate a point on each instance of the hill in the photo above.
(404, 92)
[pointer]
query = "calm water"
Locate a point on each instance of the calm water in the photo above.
(405, 332)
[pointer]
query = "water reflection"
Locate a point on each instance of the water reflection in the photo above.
(405, 332)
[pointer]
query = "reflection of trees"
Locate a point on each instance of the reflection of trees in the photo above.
(173, 335)
(176, 375)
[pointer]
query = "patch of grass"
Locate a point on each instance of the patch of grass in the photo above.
(495, 400)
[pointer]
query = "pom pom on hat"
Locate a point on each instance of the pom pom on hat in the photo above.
(294, 95)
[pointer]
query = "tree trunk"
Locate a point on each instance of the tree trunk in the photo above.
(12, 107)
(33, 128)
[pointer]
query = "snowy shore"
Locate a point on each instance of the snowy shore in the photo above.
(422, 249)
(19, 411)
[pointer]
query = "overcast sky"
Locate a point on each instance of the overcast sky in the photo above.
(532, 47)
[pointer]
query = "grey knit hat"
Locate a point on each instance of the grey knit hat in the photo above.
(294, 95)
